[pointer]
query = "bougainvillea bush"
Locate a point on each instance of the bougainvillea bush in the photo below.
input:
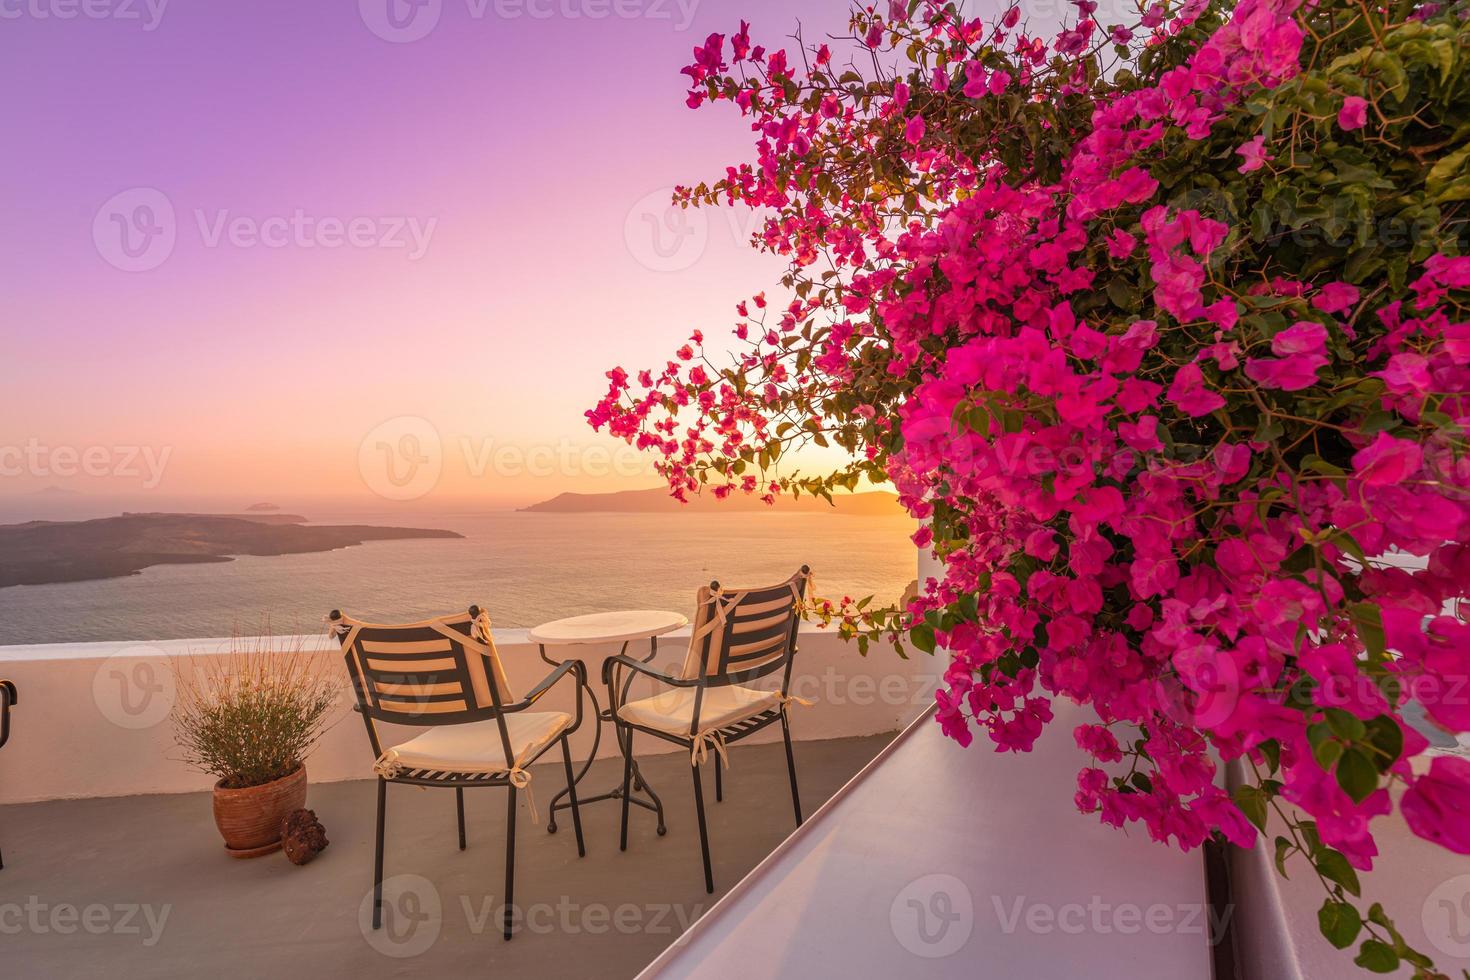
(1161, 329)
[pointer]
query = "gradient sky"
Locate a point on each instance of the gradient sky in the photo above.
(531, 142)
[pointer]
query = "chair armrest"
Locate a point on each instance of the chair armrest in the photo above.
(566, 667)
(623, 660)
(638, 667)
(8, 696)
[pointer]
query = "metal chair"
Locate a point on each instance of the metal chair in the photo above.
(740, 635)
(445, 675)
(9, 698)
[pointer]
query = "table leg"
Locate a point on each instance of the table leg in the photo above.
(654, 803)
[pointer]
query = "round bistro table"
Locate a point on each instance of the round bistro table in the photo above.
(623, 627)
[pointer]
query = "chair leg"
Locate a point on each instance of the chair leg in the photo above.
(719, 780)
(378, 855)
(459, 804)
(791, 769)
(566, 755)
(510, 859)
(627, 786)
(709, 878)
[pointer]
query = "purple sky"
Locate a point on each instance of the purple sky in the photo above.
(491, 173)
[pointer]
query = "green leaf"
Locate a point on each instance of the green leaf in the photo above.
(1334, 867)
(1387, 737)
(1339, 922)
(1345, 724)
(1357, 775)
(1252, 802)
(1376, 957)
(1448, 167)
(1327, 752)
(1369, 622)
(1284, 847)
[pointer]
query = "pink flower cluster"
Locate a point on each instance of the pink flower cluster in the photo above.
(1185, 596)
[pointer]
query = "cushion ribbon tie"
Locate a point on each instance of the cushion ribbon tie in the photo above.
(704, 742)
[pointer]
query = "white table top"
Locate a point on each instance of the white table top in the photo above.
(609, 627)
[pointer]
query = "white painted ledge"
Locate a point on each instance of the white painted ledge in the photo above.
(93, 717)
(1424, 888)
(944, 862)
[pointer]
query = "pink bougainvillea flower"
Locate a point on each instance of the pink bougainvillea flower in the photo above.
(1386, 459)
(975, 82)
(1335, 297)
(1353, 114)
(1121, 244)
(1407, 374)
(999, 82)
(1437, 805)
(914, 131)
(1291, 373)
(1304, 337)
(1253, 154)
(1189, 392)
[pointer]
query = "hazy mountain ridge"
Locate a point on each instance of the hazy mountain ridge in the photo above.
(46, 552)
(874, 503)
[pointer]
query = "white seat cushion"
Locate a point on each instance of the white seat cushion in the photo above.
(476, 747)
(672, 711)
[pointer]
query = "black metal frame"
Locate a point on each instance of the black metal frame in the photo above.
(368, 706)
(618, 792)
(9, 698)
(722, 677)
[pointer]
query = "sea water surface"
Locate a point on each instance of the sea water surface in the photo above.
(526, 568)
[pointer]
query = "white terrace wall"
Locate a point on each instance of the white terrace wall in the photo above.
(93, 718)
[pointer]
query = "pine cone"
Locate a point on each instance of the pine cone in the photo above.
(302, 836)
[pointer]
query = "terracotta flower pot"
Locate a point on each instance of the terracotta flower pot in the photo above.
(249, 819)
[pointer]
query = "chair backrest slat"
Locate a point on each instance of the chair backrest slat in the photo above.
(424, 673)
(756, 637)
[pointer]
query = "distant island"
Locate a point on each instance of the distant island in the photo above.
(262, 508)
(46, 552)
(657, 501)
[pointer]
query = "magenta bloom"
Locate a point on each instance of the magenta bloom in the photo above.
(1121, 244)
(1437, 806)
(1253, 154)
(1353, 114)
(1335, 297)
(1305, 337)
(1386, 460)
(1189, 392)
(914, 131)
(1291, 373)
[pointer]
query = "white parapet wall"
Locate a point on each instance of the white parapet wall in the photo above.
(94, 718)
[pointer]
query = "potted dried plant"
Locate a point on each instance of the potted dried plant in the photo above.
(249, 717)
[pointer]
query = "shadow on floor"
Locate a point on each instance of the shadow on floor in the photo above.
(141, 887)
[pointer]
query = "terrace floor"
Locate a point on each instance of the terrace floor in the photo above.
(140, 886)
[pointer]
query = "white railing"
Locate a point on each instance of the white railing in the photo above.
(93, 718)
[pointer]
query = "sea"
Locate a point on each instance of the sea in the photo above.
(525, 568)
